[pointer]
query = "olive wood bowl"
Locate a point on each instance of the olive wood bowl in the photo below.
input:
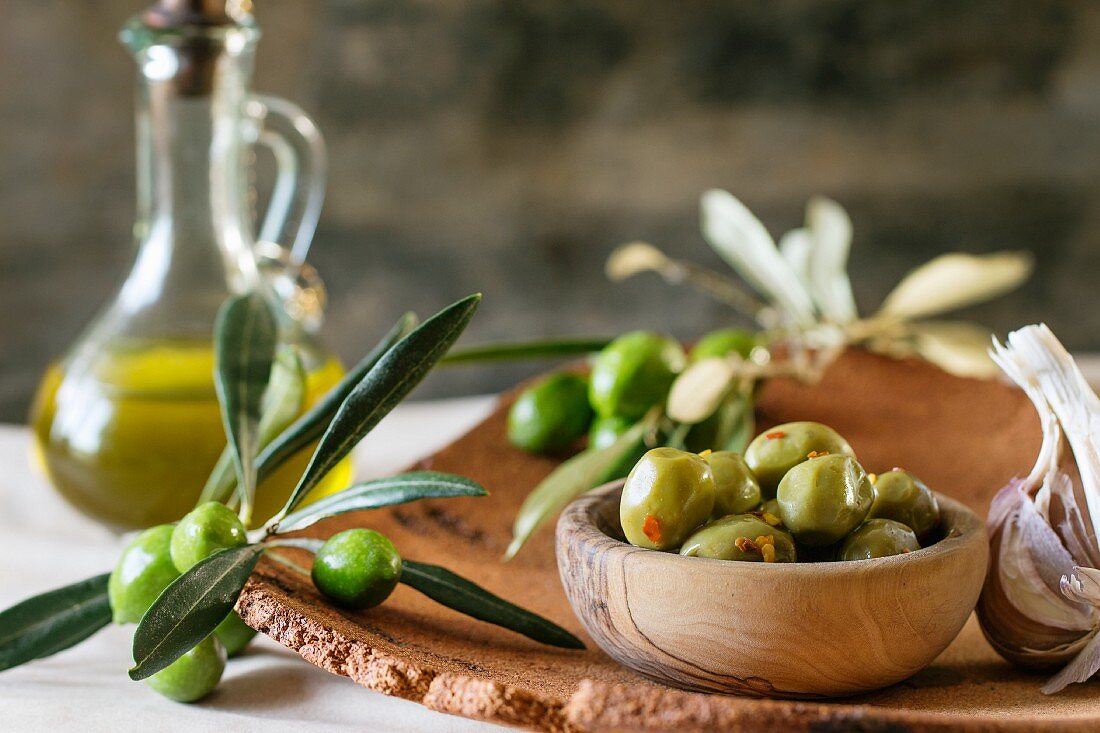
(789, 630)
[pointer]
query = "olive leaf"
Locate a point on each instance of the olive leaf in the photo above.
(831, 231)
(954, 281)
(395, 374)
(736, 422)
(244, 347)
(455, 592)
(285, 394)
(53, 621)
(189, 609)
(538, 349)
(700, 389)
(635, 258)
(955, 346)
(281, 403)
(745, 244)
(582, 472)
(313, 422)
(382, 492)
(797, 246)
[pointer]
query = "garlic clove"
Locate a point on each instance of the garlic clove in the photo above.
(1062, 509)
(1051, 559)
(1040, 606)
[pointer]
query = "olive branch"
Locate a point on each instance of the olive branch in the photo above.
(260, 390)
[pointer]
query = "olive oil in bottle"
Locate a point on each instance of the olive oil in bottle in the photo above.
(132, 439)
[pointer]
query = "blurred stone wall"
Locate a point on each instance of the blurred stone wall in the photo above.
(508, 145)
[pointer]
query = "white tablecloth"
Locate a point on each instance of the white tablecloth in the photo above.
(45, 544)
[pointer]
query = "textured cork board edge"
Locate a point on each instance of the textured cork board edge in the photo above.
(594, 707)
(265, 609)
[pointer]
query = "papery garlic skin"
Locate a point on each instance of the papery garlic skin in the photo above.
(1040, 606)
(1015, 605)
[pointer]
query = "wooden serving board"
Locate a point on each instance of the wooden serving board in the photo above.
(964, 437)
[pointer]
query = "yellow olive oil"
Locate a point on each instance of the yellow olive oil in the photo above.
(132, 438)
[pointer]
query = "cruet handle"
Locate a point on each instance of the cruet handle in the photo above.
(302, 162)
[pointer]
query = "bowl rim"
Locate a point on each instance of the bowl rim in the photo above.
(963, 530)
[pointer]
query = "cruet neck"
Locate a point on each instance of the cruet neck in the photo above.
(193, 225)
(188, 42)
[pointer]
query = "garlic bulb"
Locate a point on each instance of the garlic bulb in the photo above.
(1040, 607)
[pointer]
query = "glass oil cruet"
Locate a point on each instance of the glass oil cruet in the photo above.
(126, 425)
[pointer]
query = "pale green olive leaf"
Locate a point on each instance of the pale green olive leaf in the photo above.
(796, 246)
(700, 389)
(736, 421)
(245, 336)
(955, 346)
(831, 232)
(282, 400)
(743, 242)
(633, 259)
(582, 472)
(954, 281)
(285, 394)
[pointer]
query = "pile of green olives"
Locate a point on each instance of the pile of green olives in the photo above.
(149, 564)
(356, 568)
(798, 493)
(628, 377)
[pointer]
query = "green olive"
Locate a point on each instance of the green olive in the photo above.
(774, 452)
(823, 499)
(771, 506)
(723, 342)
(206, 529)
(633, 373)
(667, 495)
(901, 496)
(551, 414)
(194, 675)
(735, 488)
(738, 537)
(143, 570)
(234, 634)
(606, 430)
(357, 568)
(878, 538)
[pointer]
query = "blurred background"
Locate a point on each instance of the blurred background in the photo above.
(508, 145)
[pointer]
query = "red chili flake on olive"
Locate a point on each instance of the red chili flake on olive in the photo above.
(652, 528)
(775, 434)
(744, 544)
